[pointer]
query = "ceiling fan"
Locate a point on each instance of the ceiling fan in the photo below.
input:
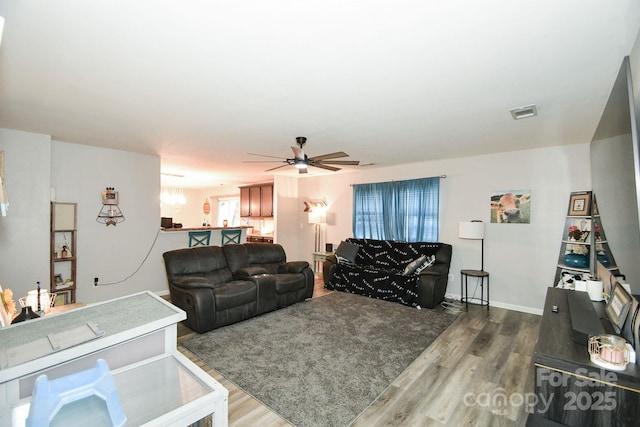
(301, 161)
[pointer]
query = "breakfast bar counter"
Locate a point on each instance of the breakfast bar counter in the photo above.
(175, 238)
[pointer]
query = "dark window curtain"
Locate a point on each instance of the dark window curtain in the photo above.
(397, 210)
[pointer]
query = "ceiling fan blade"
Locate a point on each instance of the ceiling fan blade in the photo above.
(302, 170)
(277, 167)
(340, 162)
(298, 153)
(320, 165)
(335, 155)
(264, 155)
(264, 161)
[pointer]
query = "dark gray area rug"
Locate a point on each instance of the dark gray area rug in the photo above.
(323, 361)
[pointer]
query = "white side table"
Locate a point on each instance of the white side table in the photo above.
(319, 257)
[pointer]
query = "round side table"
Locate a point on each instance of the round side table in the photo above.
(464, 278)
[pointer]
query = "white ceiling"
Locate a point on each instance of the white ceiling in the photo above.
(203, 83)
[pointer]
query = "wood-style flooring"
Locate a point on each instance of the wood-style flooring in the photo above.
(464, 378)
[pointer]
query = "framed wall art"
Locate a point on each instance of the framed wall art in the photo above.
(511, 207)
(580, 204)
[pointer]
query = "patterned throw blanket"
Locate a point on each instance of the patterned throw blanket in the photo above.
(388, 285)
(378, 270)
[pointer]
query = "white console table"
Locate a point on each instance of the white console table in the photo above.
(156, 384)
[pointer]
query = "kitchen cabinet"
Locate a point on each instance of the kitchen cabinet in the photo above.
(245, 202)
(256, 201)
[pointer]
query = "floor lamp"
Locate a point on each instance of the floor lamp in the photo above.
(317, 218)
(473, 230)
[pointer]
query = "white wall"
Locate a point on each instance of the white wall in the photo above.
(24, 232)
(79, 174)
(288, 227)
(520, 258)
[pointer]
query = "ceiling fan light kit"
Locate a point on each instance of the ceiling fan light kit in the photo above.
(301, 161)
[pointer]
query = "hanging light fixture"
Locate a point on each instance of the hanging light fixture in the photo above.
(173, 196)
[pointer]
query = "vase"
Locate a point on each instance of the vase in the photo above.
(25, 314)
(575, 260)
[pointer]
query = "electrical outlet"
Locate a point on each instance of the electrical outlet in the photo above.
(451, 277)
(95, 281)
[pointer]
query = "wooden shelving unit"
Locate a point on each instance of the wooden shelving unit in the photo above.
(63, 252)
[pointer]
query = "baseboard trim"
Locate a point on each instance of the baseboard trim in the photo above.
(514, 307)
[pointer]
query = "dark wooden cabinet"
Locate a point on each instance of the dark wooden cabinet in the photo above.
(266, 200)
(569, 388)
(245, 202)
(256, 201)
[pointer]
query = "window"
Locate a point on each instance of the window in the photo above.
(397, 210)
(228, 209)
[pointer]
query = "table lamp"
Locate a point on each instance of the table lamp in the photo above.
(473, 230)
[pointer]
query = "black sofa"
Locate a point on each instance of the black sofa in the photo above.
(221, 285)
(378, 270)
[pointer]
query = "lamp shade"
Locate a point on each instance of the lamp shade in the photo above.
(471, 230)
(317, 217)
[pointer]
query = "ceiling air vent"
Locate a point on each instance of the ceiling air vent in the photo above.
(524, 112)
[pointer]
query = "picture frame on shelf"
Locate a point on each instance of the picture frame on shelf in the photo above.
(579, 204)
(618, 306)
(62, 298)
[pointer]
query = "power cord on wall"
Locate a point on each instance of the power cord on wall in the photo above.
(95, 280)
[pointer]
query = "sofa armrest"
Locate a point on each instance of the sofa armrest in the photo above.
(294, 267)
(247, 272)
(196, 297)
(431, 288)
(436, 270)
(328, 266)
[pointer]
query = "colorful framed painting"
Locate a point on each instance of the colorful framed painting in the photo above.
(511, 207)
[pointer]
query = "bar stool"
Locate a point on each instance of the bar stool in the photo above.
(199, 238)
(231, 236)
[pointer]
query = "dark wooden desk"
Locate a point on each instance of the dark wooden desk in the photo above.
(569, 388)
